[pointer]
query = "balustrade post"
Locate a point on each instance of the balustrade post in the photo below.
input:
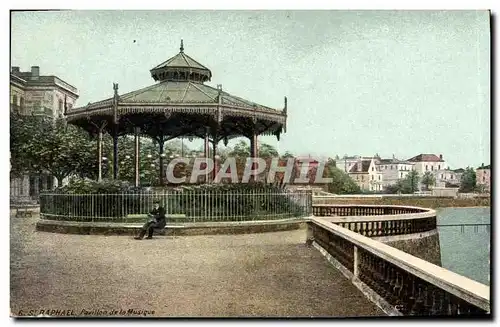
(356, 263)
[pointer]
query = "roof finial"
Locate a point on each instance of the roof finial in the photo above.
(182, 45)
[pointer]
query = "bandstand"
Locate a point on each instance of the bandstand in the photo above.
(179, 104)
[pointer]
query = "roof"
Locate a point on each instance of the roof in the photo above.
(365, 166)
(49, 80)
(180, 104)
(176, 92)
(181, 67)
(459, 170)
(181, 60)
(484, 167)
(393, 161)
(386, 161)
(426, 158)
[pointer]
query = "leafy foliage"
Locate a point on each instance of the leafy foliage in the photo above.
(428, 180)
(242, 150)
(408, 185)
(40, 143)
(342, 183)
(468, 181)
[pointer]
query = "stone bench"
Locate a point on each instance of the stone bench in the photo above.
(159, 231)
(24, 210)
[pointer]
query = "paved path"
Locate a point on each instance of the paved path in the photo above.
(269, 274)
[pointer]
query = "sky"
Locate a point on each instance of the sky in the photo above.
(396, 83)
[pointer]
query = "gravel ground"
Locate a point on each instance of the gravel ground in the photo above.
(267, 275)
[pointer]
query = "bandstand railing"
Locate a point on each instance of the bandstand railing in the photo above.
(204, 206)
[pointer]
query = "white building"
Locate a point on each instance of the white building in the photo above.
(366, 174)
(434, 164)
(393, 170)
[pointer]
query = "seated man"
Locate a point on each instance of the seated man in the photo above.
(158, 221)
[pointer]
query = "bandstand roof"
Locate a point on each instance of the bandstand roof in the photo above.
(181, 60)
(180, 104)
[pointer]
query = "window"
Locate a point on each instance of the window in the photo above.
(484, 178)
(362, 178)
(14, 100)
(439, 167)
(373, 168)
(426, 167)
(452, 177)
(432, 167)
(21, 186)
(441, 176)
(37, 105)
(373, 177)
(60, 105)
(401, 175)
(379, 177)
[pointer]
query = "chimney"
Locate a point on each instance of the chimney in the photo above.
(35, 72)
(440, 157)
(15, 70)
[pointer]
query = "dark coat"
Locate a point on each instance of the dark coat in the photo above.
(159, 215)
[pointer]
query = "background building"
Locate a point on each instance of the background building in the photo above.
(35, 94)
(483, 177)
(393, 170)
(431, 163)
(366, 174)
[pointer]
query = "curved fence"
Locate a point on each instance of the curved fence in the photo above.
(181, 206)
(378, 220)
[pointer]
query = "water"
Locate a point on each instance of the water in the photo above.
(465, 250)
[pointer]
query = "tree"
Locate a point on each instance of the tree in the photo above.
(468, 181)
(42, 144)
(21, 132)
(428, 180)
(241, 149)
(341, 183)
(287, 155)
(267, 151)
(409, 184)
(149, 155)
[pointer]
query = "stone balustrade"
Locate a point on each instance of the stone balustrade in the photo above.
(376, 221)
(398, 282)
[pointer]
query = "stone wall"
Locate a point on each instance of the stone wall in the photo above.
(423, 202)
(424, 246)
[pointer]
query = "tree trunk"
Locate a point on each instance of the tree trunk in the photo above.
(59, 180)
